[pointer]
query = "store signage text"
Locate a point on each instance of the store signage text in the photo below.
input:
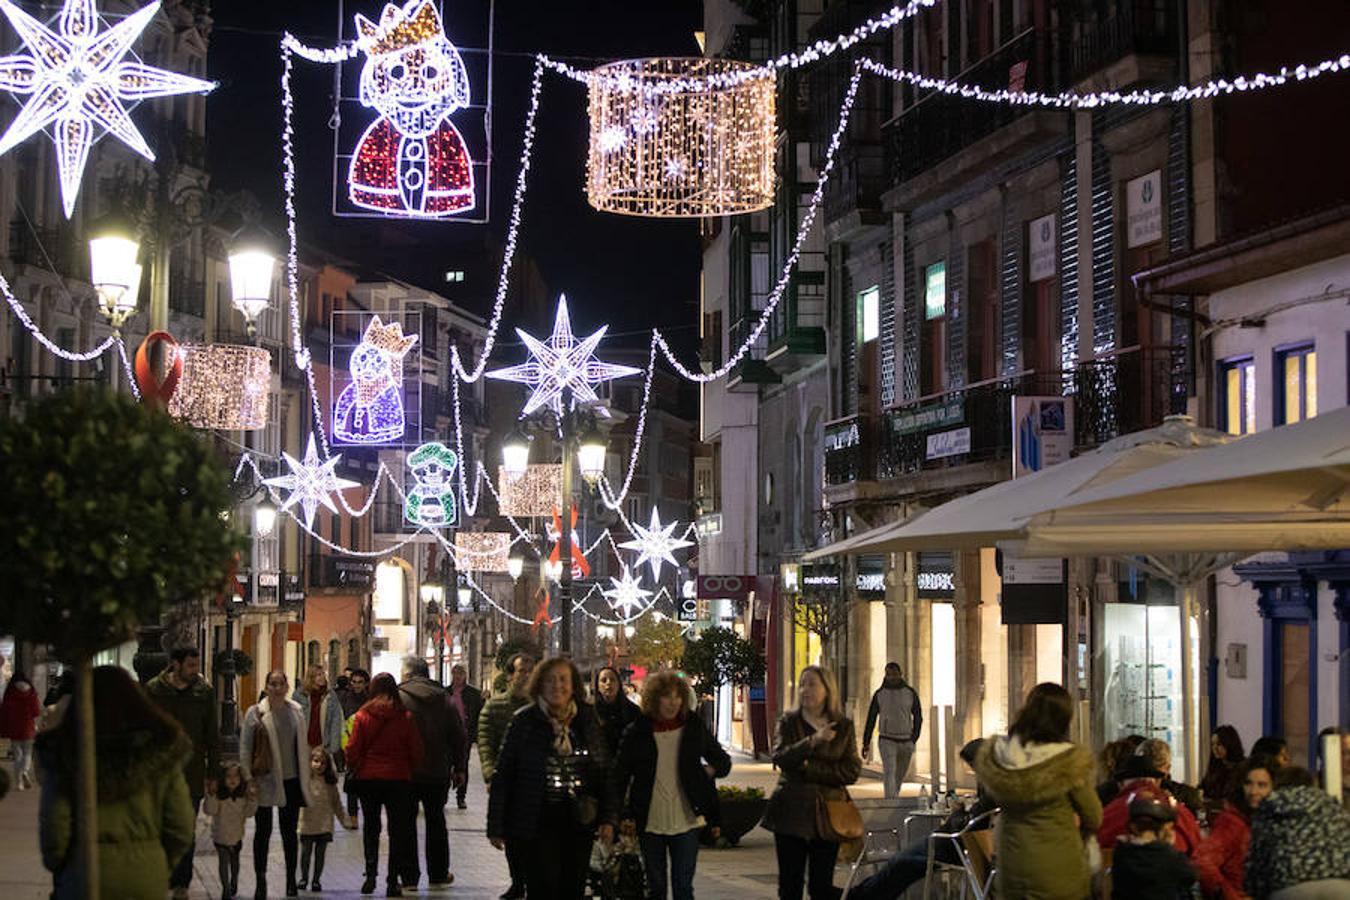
(935, 581)
(927, 418)
(949, 443)
(1041, 248)
(725, 587)
(1143, 210)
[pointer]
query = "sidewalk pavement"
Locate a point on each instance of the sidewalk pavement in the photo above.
(739, 873)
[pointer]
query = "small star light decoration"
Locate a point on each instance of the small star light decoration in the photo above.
(627, 594)
(656, 544)
(311, 482)
(562, 363)
(78, 79)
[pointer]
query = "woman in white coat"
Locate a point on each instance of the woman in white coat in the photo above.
(284, 784)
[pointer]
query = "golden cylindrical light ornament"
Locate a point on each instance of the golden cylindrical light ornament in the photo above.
(224, 387)
(680, 137)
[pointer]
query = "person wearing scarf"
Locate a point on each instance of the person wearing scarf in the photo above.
(322, 711)
(553, 779)
(667, 762)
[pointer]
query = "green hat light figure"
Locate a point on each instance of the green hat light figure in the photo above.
(431, 500)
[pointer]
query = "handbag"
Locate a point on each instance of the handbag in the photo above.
(261, 761)
(838, 821)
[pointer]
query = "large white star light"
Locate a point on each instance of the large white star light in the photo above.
(78, 79)
(311, 482)
(627, 593)
(656, 544)
(562, 363)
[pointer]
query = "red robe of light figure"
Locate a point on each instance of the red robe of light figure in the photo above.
(411, 161)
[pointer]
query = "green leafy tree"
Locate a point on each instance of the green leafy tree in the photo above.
(720, 657)
(656, 644)
(113, 512)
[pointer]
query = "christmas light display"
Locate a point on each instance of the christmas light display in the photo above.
(535, 493)
(78, 80)
(692, 153)
(482, 551)
(311, 482)
(370, 408)
(656, 544)
(627, 593)
(430, 501)
(562, 363)
(223, 386)
(412, 161)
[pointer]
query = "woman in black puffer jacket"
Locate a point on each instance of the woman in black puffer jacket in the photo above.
(553, 781)
(615, 711)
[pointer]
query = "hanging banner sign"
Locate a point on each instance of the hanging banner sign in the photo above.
(928, 418)
(725, 587)
(1041, 248)
(1143, 210)
(1042, 432)
(948, 443)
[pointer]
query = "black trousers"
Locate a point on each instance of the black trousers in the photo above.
(555, 864)
(317, 847)
(797, 855)
(227, 865)
(431, 797)
(289, 815)
(395, 798)
(181, 876)
(515, 864)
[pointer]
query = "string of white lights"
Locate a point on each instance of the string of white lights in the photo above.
(613, 501)
(819, 50)
(512, 231)
(468, 580)
(803, 229)
(27, 322)
(480, 474)
(338, 54)
(1142, 97)
(365, 554)
(126, 367)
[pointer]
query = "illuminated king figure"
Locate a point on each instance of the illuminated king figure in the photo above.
(370, 409)
(412, 161)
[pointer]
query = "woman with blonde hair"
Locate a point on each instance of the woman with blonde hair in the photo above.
(322, 711)
(667, 762)
(816, 752)
(552, 789)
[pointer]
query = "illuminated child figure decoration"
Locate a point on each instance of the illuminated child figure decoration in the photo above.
(431, 500)
(412, 161)
(370, 408)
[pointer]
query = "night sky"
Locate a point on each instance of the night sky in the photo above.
(633, 273)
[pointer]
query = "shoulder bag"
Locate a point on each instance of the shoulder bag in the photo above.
(261, 761)
(838, 821)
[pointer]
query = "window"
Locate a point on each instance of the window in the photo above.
(869, 314)
(935, 291)
(1237, 403)
(1295, 384)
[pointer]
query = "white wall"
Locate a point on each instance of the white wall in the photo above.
(1237, 622)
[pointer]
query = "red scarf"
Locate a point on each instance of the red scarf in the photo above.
(315, 718)
(660, 725)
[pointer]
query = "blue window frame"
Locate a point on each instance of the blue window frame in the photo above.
(1237, 395)
(1295, 383)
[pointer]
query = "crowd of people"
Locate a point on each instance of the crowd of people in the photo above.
(578, 773)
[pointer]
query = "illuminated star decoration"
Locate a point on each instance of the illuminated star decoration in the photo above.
(562, 363)
(627, 593)
(78, 79)
(656, 545)
(311, 482)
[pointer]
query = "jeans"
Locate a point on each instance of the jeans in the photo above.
(289, 816)
(795, 855)
(905, 868)
(683, 851)
(227, 862)
(181, 876)
(431, 797)
(895, 758)
(395, 797)
(23, 759)
(555, 865)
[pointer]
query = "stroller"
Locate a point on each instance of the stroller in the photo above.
(616, 871)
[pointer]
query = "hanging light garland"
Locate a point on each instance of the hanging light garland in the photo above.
(687, 154)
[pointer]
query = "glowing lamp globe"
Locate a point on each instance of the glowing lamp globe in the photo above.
(113, 269)
(680, 137)
(465, 596)
(252, 263)
(264, 518)
(515, 565)
(515, 454)
(591, 456)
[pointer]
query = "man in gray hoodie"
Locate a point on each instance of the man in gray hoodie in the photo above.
(897, 705)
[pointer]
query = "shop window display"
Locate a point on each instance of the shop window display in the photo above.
(1142, 662)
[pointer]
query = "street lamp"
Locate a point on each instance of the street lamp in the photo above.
(515, 565)
(465, 594)
(516, 454)
(113, 268)
(252, 262)
(591, 455)
(264, 517)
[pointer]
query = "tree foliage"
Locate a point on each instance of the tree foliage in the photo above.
(824, 615)
(113, 512)
(656, 644)
(720, 657)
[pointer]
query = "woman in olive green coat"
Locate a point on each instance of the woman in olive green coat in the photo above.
(145, 818)
(1043, 783)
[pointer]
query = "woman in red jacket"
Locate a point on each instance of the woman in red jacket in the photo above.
(19, 712)
(1222, 858)
(384, 748)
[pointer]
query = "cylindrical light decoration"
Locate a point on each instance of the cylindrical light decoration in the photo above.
(224, 386)
(666, 142)
(483, 551)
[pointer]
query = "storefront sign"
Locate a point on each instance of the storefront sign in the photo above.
(1035, 590)
(870, 580)
(1143, 210)
(842, 436)
(935, 291)
(725, 587)
(823, 577)
(1042, 432)
(1041, 248)
(709, 525)
(936, 578)
(928, 418)
(949, 443)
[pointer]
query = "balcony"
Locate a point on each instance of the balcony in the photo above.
(46, 248)
(859, 179)
(1140, 27)
(848, 450)
(938, 126)
(333, 571)
(1131, 390)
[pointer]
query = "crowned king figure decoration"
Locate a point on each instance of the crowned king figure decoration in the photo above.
(412, 160)
(370, 408)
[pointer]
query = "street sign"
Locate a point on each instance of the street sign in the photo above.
(725, 587)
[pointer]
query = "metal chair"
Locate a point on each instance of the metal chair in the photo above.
(974, 848)
(873, 855)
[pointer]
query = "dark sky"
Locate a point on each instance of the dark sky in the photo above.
(631, 272)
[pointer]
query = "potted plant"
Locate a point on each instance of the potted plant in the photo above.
(741, 809)
(243, 663)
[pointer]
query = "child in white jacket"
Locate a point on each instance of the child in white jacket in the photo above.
(316, 818)
(230, 805)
